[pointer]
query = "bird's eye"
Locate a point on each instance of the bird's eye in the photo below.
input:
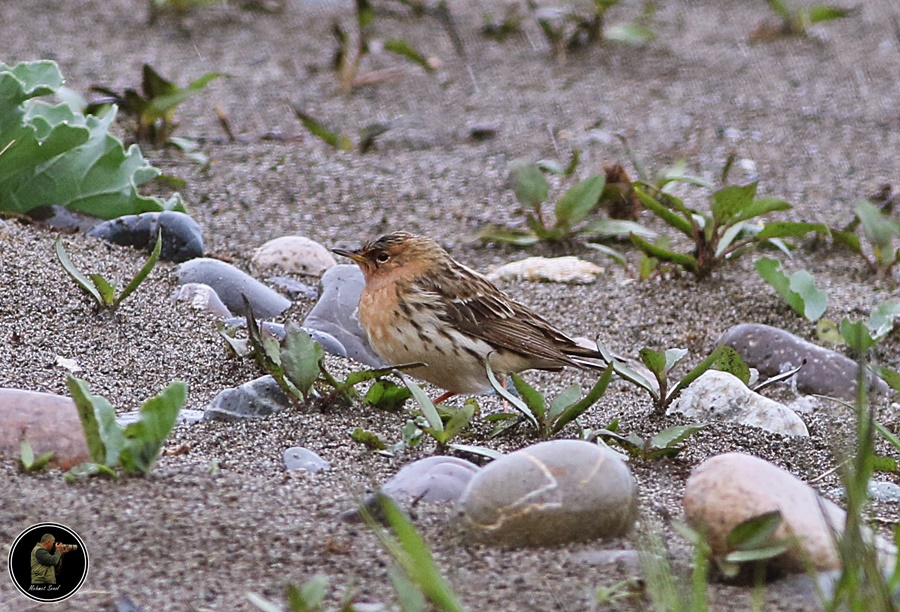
(382, 257)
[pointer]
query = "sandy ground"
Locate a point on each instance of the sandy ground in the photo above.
(817, 117)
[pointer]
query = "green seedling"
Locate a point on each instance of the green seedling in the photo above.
(508, 25)
(338, 140)
(309, 597)
(133, 448)
(880, 233)
(796, 22)
(153, 108)
(571, 211)
(57, 154)
(603, 597)
(30, 463)
(753, 543)
(799, 289)
(730, 227)
(666, 443)
(436, 425)
(667, 590)
(101, 290)
(546, 420)
(660, 365)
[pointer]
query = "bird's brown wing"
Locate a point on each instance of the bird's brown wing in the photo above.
(473, 305)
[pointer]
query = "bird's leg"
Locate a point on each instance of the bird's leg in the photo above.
(444, 397)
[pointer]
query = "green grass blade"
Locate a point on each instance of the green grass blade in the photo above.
(514, 401)
(688, 262)
(83, 281)
(671, 217)
(425, 404)
(142, 273)
(576, 410)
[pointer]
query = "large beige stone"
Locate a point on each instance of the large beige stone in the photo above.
(49, 423)
(294, 254)
(728, 489)
(550, 493)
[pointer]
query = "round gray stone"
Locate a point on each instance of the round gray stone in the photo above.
(299, 458)
(433, 479)
(230, 284)
(550, 493)
(256, 398)
(182, 237)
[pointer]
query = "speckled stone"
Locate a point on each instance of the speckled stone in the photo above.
(772, 351)
(728, 489)
(722, 396)
(550, 493)
(299, 458)
(49, 422)
(297, 254)
(433, 479)
(230, 284)
(256, 398)
(182, 237)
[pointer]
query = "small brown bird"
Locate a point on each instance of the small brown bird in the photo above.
(420, 305)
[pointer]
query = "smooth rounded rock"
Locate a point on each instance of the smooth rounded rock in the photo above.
(720, 395)
(335, 313)
(728, 489)
(257, 398)
(202, 297)
(299, 458)
(182, 237)
(230, 284)
(550, 493)
(773, 351)
(568, 269)
(433, 479)
(296, 254)
(49, 422)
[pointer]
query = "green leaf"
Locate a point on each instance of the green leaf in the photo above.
(83, 281)
(674, 356)
(729, 203)
(827, 331)
(142, 273)
(477, 450)
(884, 464)
(630, 34)
(157, 417)
(528, 183)
(730, 361)
(609, 228)
(879, 229)
(41, 462)
(754, 532)
(301, 357)
(820, 13)
(425, 404)
(514, 401)
(566, 398)
(671, 217)
(673, 436)
(493, 233)
(881, 321)
(856, 335)
(317, 129)
(846, 239)
(532, 398)
(105, 439)
(106, 290)
(615, 255)
(578, 201)
(460, 419)
(577, 409)
(799, 290)
(688, 262)
(763, 553)
(26, 454)
(369, 439)
(387, 395)
(404, 49)
(891, 377)
(162, 104)
(788, 229)
(694, 374)
(655, 361)
(86, 470)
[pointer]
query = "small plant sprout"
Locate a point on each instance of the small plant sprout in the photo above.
(546, 419)
(153, 109)
(799, 289)
(796, 22)
(309, 597)
(135, 447)
(30, 463)
(571, 211)
(729, 228)
(442, 427)
(667, 443)
(101, 290)
(881, 249)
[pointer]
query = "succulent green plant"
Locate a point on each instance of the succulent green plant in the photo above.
(667, 443)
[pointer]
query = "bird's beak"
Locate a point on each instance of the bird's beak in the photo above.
(354, 255)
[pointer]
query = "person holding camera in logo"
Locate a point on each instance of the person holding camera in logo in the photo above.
(45, 563)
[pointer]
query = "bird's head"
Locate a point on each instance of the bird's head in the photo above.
(395, 255)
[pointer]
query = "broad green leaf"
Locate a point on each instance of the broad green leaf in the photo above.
(655, 361)
(460, 419)
(730, 361)
(827, 331)
(729, 236)
(83, 281)
(671, 217)
(85, 470)
(493, 233)
(881, 321)
(107, 291)
(878, 228)
(856, 335)
(578, 408)
(105, 439)
(566, 398)
(142, 273)
(673, 436)
(528, 183)
(532, 398)
(387, 395)
(754, 532)
(578, 201)
(425, 404)
(788, 229)
(820, 13)
(760, 554)
(404, 49)
(799, 290)
(677, 173)
(145, 438)
(317, 129)
(730, 202)
(369, 439)
(634, 377)
(891, 377)
(26, 453)
(514, 401)
(688, 262)
(884, 464)
(301, 357)
(847, 239)
(354, 378)
(674, 356)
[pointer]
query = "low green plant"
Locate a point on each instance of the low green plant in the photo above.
(337, 139)
(881, 249)
(730, 227)
(666, 443)
(101, 290)
(667, 590)
(506, 26)
(799, 289)
(153, 108)
(54, 154)
(309, 597)
(797, 21)
(133, 448)
(661, 364)
(571, 211)
(30, 463)
(603, 597)
(445, 426)
(545, 419)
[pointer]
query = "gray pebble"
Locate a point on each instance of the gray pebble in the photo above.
(202, 297)
(878, 490)
(773, 351)
(550, 493)
(230, 284)
(299, 458)
(335, 313)
(257, 398)
(328, 342)
(433, 479)
(294, 289)
(182, 236)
